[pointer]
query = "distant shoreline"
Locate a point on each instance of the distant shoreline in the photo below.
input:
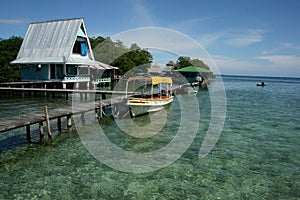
(257, 76)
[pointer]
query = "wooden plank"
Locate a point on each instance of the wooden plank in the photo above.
(39, 117)
(66, 90)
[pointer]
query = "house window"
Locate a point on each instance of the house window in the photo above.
(38, 68)
(80, 48)
(83, 48)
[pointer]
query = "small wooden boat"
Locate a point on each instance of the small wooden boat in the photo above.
(154, 94)
(262, 84)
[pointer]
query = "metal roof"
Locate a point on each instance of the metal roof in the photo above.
(192, 69)
(52, 42)
(104, 66)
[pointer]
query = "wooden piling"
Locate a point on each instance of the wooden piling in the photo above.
(69, 122)
(47, 121)
(28, 137)
(96, 113)
(100, 109)
(82, 117)
(41, 128)
(59, 124)
(23, 93)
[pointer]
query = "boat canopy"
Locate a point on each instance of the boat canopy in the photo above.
(154, 79)
(157, 80)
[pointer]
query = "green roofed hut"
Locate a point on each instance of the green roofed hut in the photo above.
(193, 74)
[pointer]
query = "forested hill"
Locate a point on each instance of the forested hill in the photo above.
(117, 54)
(9, 49)
(105, 50)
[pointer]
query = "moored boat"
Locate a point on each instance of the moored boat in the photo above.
(155, 93)
(262, 84)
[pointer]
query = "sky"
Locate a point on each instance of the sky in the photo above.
(240, 37)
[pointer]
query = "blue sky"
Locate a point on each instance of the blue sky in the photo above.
(258, 37)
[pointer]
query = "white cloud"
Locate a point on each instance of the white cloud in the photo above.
(279, 65)
(140, 16)
(245, 38)
(282, 60)
(13, 21)
(283, 46)
(190, 23)
(231, 66)
(235, 38)
(208, 39)
(161, 38)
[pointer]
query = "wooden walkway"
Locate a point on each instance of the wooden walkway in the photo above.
(62, 90)
(25, 120)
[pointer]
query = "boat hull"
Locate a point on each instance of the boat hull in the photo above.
(139, 107)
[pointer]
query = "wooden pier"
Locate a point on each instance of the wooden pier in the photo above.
(26, 120)
(41, 118)
(53, 92)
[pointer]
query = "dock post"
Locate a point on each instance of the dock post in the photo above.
(47, 121)
(45, 93)
(82, 117)
(96, 114)
(41, 128)
(59, 124)
(69, 122)
(28, 133)
(101, 109)
(76, 85)
(23, 93)
(65, 94)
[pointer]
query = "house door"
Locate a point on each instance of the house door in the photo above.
(52, 71)
(59, 71)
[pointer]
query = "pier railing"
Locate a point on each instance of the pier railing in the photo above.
(79, 78)
(103, 80)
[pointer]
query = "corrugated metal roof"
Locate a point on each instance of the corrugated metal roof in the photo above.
(51, 42)
(104, 66)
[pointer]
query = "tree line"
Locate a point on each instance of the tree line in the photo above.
(105, 50)
(9, 49)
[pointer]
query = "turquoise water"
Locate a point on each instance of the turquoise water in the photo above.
(256, 157)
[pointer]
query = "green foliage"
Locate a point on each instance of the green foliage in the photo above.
(134, 58)
(118, 55)
(95, 41)
(184, 61)
(9, 49)
(107, 51)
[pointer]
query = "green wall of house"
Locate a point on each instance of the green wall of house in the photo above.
(34, 73)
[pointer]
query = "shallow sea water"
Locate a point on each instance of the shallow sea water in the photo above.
(256, 157)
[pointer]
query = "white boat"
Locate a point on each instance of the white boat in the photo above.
(154, 93)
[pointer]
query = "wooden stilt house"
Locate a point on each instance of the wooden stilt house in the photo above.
(57, 51)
